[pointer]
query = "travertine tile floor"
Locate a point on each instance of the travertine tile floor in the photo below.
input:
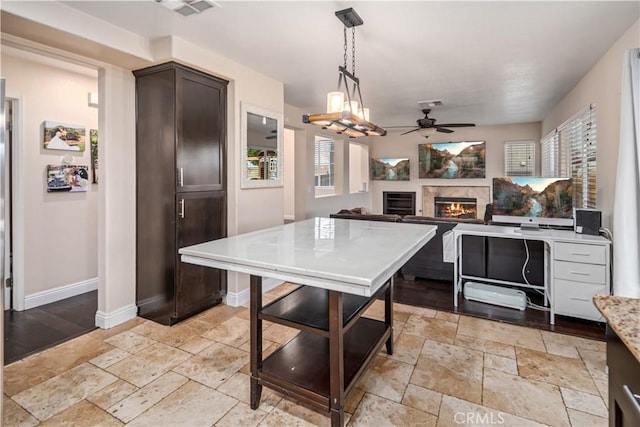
(447, 370)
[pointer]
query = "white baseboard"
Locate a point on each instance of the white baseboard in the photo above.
(236, 299)
(121, 315)
(290, 217)
(60, 293)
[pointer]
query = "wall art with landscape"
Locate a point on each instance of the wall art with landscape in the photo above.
(390, 169)
(452, 160)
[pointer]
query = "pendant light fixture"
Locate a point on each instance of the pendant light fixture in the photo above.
(346, 113)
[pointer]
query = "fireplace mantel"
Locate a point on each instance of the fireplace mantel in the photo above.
(430, 192)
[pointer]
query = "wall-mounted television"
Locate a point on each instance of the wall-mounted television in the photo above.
(533, 201)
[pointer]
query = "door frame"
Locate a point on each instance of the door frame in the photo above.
(16, 206)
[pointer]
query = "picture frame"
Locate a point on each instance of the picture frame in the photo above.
(452, 160)
(61, 136)
(67, 178)
(93, 139)
(390, 169)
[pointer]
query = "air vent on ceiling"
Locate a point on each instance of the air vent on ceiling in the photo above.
(431, 103)
(188, 7)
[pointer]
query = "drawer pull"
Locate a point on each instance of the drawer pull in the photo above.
(580, 273)
(633, 398)
(579, 253)
(579, 299)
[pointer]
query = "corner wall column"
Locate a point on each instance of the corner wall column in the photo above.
(117, 198)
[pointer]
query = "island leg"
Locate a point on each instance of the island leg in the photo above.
(336, 359)
(388, 314)
(255, 306)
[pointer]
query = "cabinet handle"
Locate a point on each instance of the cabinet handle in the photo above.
(579, 299)
(634, 399)
(579, 273)
(181, 177)
(579, 253)
(181, 208)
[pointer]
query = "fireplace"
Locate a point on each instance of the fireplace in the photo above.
(455, 207)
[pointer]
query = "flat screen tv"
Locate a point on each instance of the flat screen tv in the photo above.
(533, 201)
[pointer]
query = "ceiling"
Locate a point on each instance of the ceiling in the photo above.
(489, 62)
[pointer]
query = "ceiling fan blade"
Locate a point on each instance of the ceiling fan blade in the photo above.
(271, 137)
(456, 125)
(443, 130)
(412, 130)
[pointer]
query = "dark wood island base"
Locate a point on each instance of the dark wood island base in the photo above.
(322, 364)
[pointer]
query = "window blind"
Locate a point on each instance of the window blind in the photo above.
(519, 158)
(324, 162)
(570, 150)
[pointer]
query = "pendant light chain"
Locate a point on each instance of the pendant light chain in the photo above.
(345, 47)
(353, 51)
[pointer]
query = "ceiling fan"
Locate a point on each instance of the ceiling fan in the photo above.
(429, 123)
(275, 132)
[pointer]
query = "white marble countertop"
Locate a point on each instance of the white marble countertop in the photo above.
(352, 256)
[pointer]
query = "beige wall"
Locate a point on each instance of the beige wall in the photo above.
(600, 86)
(60, 229)
(394, 145)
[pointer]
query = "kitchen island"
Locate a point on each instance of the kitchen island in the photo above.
(623, 357)
(343, 266)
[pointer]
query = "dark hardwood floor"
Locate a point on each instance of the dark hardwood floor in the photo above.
(439, 295)
(31, 331)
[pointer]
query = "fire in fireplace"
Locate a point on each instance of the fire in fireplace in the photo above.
(455, 207)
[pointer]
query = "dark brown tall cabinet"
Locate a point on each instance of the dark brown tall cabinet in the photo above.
(181, 191)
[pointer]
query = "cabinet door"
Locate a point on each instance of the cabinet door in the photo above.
(201, 218)
(200, 131)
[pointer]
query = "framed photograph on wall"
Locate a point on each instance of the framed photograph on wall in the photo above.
(93, 139)
(67, 178)
(60, 136)
(452, 160)
(390, 169)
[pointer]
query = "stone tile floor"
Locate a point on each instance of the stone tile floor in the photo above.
(447, 370)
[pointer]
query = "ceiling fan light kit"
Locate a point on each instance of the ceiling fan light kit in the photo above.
(346, 113)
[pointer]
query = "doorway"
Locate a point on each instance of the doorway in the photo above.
(289, 175)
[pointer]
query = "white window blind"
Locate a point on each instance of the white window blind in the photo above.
(519, 158)
(570, 150)
(324, 162)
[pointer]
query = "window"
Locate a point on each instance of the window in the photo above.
(324, 161)
(570, 150)
(519, 158)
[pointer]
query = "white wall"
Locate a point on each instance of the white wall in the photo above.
(60, 240)
(394, 145)
(289, 174)
(601, 85)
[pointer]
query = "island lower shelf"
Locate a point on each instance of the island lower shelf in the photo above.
(302, 365)
(307, 308)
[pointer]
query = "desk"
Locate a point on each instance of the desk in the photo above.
(576, 266)
(343, 265)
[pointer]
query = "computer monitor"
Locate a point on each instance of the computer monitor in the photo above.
(533, 201)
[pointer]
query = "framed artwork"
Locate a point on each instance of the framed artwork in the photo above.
(60, 136)
(93, 139)
(390, 169)
(452, 160)
(67, 178)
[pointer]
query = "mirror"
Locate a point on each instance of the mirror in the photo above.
(261, 134)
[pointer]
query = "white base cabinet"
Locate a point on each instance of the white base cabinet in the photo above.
(580, 271)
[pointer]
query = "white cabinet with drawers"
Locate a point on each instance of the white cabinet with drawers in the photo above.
(580, 271)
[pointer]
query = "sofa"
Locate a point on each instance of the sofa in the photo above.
(427, 263)
(490, 257)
